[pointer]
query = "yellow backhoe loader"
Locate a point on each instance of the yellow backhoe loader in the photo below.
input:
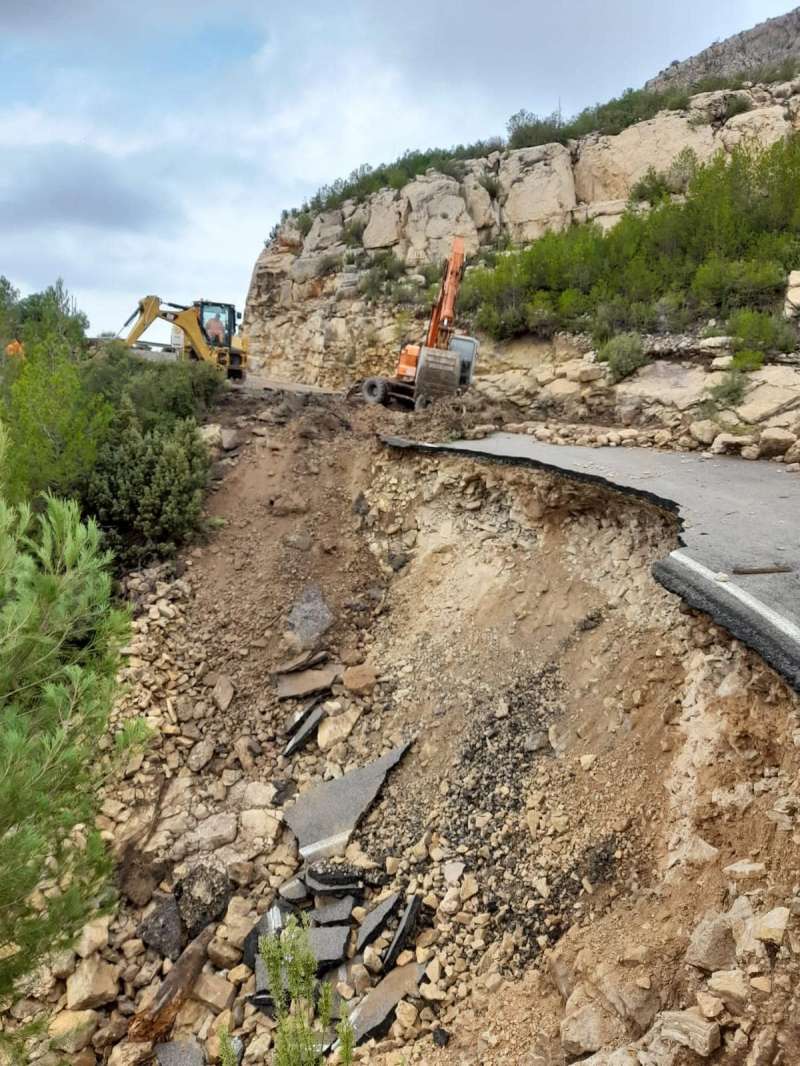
(209, 331)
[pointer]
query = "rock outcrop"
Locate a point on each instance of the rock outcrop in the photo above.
(769, 42)
(307, 315)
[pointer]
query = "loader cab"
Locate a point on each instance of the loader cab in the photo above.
(218, 322)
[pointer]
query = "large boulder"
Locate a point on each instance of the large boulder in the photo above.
(438, 212)
(608, 167)
(387, 215)
(537, 191)
(763, 126)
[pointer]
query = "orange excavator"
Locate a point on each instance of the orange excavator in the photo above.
(443, 363)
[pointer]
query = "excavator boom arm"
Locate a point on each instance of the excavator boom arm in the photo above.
(442, 323)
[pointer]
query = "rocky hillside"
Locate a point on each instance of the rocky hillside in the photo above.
(770, 42)
(310, 313)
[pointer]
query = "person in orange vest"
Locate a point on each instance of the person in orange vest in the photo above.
(15, 350)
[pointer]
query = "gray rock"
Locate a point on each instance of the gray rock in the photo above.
(203, 896)
(200, 755)
(712, 946)
(180, 1053)
(162, 929)
(310, 617)
(323, 818)
(690, 1029)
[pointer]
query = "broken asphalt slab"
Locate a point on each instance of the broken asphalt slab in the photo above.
(375, 920)
(308, 682)
(404, 929)
(324, 818)
(734, 515)
(374, 1013)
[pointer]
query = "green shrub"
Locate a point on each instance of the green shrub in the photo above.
(736, 105)
(55, 427)
(305, 221)
(146, 490)
(650, 188)
(303, 1006)
(159, 392)
(730, 391)
(624, 355)
(541, 316)
(723, 283)
(492, 185)
(59, 652)
(761, 331)
(747, 360)
(353, 233)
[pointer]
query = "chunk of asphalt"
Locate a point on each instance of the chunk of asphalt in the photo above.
(300, 662)
(308, 682)
(332, 911)
(334, 880)
(305, 732)
(328, 944)
(375, 920)
(294, 891)
(271, 923)
(323, 819)
(373, 1015)
(298, 718)
(404, 929)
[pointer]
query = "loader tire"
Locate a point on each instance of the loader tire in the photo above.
(375, 391)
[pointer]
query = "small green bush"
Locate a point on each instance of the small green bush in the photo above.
(761, 331)
(541, 316)
(737, 105)
(303, 1006)
(55, 427)
(146, 490)
(60, 636)
(747, 360)
(624, 355)
(730, 391)
(723, 283)
(160, 392)
(492, 185)
(353, 232)
(650, 188)
(305, 221)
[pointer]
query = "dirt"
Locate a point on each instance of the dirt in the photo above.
(577, 735)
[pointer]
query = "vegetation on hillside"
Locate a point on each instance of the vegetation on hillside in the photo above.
(102, 432)
(524, 130)
(59, 641)
(728, 245)
(103, 426)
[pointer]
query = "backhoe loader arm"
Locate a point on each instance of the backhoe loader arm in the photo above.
(146, 313)
(442, 323)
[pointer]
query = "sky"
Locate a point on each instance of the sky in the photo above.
(149, 147)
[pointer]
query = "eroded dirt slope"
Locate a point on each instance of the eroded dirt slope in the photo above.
(586, 761)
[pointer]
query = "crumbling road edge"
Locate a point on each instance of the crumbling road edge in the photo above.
(774, 638)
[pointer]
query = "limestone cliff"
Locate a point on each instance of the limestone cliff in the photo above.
(768, 43)
(306, 314)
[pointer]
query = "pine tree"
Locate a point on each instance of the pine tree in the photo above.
(59, 645)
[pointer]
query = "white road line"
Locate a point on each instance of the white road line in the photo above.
(786, 627)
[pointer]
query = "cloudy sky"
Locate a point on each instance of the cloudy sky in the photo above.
(150, 146)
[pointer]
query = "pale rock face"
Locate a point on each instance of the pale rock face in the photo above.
(538, 191)
(763, 126)
(326, 230)
(437, 213)
(387, 216)
(480, 205)
(608, 168)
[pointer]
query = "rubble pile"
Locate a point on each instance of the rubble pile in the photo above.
(529, 806)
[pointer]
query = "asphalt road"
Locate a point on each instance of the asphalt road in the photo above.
(735, 515)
